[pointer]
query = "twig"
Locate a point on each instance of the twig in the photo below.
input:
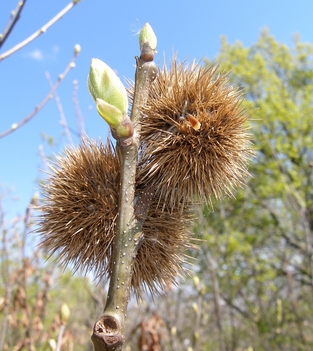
(42, 30)
(63, 121)
(295, 308)
(15, 16)
(109, 330)
(16, 126)
(28, 327)
(78, 114)
(60, 337)
(217, 308)
(43, 157)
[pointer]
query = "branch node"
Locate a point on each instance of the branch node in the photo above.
(107, 331)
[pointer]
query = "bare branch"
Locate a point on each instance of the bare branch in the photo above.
(78, 114)
(63, 121)
(16, 126)
(42, 30)
(15, 16)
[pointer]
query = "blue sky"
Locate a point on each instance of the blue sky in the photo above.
(107, 30)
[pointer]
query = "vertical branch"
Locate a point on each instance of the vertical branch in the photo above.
(6, 280)
(63, 121)
(217, 309)
(295, 308)
(26, 262)
(109, 330)
(78, 114)
(15, 16)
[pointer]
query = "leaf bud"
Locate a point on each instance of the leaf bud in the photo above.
(195, 307)
(147, 35)
(77, 49)
(173, 331)
(52, 343)
(196, 281)
(65, 313)
(110, 96)
(104, 84)
(196, 337)
(147, 42)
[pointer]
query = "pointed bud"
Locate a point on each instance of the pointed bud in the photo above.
(195, 307)
(52, 343)
(77, 49)
(148, 42)
(65, 313)
(112, 115)
(147, 35)
(196, 281)
(196, 337)
(104, 84)
(110, 96)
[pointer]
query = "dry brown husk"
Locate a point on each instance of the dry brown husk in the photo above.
(194, 145)
(194, 138)
(78, 217)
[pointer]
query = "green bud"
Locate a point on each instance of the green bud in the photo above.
(147, 35)
(196, 337)
(104, 84)
(52, 343)
(77, 49)
(112, 115)
(65, 313)
(195, 307)
(111, 100)
(196, 281)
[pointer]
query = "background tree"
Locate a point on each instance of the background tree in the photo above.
(257, 254)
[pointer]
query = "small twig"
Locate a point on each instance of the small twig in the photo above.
(43, 157)
(63, 121)
(15, 16)
(60, 336)
(78, 114)
(28, 326)
(109, 330)
(16, 126)
(42, 30)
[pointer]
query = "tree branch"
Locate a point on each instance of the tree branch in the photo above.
(16, 126)
(42, 30)
(109, 330)
(15, 16)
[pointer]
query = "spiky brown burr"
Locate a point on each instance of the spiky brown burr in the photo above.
(78, 218)
(79, 210)
(194, 138)
(162, 256)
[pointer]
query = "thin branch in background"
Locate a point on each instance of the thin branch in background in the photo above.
(42, 30)
(43, 157)
(295, 308)
(60, 337)
(78, 114)
(5, 278)
(16, 126)
(217, 307)
(63, 121)
(26, 263)
(15, 16)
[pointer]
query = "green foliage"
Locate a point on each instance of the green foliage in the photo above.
(261, 243)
